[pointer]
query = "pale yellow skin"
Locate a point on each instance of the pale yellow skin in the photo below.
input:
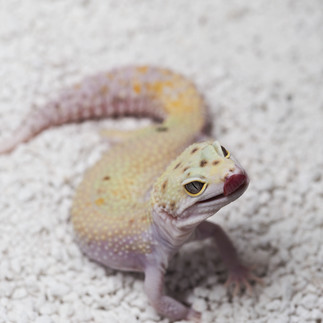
(113, 199)
(132, 210)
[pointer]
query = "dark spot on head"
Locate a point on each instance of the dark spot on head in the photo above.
(185, 169)
(161, 129)
(163, 205)
(215, 162)
(106, 178)
(203, 162)
(164, 186)
(172, 205)
(179, 164)
(189, 174)
(194, 150)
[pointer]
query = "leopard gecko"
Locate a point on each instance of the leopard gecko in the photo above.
(154, 190)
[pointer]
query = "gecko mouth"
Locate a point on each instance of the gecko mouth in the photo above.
(212, 199)
(234, 186)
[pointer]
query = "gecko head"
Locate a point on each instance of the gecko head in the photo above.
(203, 179)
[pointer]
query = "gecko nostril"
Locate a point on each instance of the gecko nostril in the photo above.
(233, 182)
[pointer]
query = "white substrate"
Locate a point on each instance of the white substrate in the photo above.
(260, 67)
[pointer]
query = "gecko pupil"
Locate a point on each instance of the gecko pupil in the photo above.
(194, 187)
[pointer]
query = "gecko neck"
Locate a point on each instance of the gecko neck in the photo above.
(171, 233)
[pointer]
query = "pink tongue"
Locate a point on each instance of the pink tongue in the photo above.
(233, 183)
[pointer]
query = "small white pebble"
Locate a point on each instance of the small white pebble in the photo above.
(303, 313)
(217, 294)
(309, 301)
(265, 184)
(16, 265)
(19, 293)
(46, 309)
(273, 306)
(59, 289)
(44, 319)
(66, 310)
(200, 304)
(317, 314)
(264, 198)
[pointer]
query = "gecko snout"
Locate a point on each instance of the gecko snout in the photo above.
(233, 183)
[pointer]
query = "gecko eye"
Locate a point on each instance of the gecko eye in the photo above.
(195, 188)
(226, 153)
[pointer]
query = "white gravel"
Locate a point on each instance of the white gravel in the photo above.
(260, 66)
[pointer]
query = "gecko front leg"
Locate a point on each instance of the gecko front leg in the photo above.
(165, 305)
(239, 274)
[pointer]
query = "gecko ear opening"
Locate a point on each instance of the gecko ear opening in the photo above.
(225, 152)
(221, 150)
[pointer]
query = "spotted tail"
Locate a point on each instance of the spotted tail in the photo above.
(137, 91)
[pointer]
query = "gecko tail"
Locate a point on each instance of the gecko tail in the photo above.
(103, 95)
(134, 91)
(33, 124)
(8, 146)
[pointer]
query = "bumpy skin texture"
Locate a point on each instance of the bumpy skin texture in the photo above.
(133, 209)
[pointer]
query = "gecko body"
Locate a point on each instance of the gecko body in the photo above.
(151, 193)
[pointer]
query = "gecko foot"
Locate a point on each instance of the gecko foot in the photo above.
(239, 277)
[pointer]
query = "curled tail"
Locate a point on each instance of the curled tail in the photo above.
(137, 91)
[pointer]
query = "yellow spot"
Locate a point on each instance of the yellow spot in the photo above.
(137, 87)
(99, 201)
(142, 69)
(104, 90)
(158, 87)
